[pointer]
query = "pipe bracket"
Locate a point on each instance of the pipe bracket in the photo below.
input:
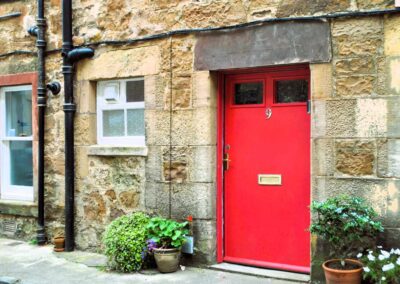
(69, 107)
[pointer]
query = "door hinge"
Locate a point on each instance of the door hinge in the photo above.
(308, 106)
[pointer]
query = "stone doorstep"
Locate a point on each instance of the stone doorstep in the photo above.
(261, 272)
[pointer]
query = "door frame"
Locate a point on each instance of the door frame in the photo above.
(220, 151)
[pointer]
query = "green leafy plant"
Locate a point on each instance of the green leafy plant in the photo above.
(125, 242)
(167, 233)
(347, 224)
(381, 266)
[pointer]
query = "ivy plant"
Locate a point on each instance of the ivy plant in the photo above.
(346, 223)
(167, 233)
(125, 242)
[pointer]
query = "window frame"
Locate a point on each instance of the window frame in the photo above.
(24, 81)
(137, 140)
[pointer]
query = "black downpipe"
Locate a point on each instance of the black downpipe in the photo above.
(70, 55)
(41, 103)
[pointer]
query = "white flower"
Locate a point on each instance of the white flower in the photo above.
(386, 254)
(359, 255)
(397, 251)
(398, 261)
(383, 278)
(379, 247)
(371, 257)
(366, 269)
(381, 257)
(387, 267)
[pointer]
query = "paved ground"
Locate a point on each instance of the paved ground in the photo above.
(29, 264)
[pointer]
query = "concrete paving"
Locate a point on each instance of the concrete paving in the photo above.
(23, 263)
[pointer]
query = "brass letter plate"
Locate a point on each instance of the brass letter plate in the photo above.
(270, 179)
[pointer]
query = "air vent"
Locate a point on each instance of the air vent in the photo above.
(9, 228)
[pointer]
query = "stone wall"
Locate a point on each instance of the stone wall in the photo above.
(355, 120)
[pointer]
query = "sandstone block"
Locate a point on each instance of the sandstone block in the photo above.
(175, 171)
(318, 119)
(392, 218)
(157, 198)
(204, 89)
(155, 90)
(154, 164)
(86, 93)
(340, 118)
(292, 7)
(394, 76)
(389, 158)
(157, 127)
(81, 162)
(355, 85)
(358, 27)
(85, 129)
(323, 157)
(374, 191)
(347, 45)
(122, 63)
(371, 117)
(202, 164)
(355, 157)
(94, 208)
(354, 66)
(196, 199)
(393, 117)
(321, 81)
(129, 199)
(375, 4)
(392, 35)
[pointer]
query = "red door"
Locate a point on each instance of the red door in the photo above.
(267, 170)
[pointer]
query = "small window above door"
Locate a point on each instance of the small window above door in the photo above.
(248, 93)
(291, 91)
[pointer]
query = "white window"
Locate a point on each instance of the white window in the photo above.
(120, 112)
(16, 160)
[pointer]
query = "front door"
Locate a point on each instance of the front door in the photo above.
(267, 170)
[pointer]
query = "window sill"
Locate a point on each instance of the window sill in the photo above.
(18, 208)
(106, 150)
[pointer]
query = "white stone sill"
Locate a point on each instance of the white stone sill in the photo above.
(105, 150)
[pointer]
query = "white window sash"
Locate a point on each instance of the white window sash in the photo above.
(121, 105)
(8, 191)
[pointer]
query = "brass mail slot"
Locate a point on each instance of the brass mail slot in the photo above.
(270, 179)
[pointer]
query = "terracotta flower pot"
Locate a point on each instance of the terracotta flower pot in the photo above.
(167, 259)
(59, 244)
(338, 276)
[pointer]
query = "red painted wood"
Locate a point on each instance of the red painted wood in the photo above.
(267, 224)
(220, 143)
(279, 266)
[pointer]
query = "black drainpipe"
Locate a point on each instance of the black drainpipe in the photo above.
(39, 32)
(70, 55)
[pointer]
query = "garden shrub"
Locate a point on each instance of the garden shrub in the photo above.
(125, 242)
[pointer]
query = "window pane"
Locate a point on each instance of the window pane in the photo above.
(248, 93)
(113, 123)
(21, 172)
(135, 122)
(135, 91)
(290, 91)
(18, 113)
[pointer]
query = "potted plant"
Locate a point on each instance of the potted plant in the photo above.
(381, 266)
(169, 236)
(348, 226)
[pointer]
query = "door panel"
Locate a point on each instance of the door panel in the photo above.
(266, 225)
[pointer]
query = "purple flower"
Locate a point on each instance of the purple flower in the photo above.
(151, 244)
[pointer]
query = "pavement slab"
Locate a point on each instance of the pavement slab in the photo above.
(30, 264)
